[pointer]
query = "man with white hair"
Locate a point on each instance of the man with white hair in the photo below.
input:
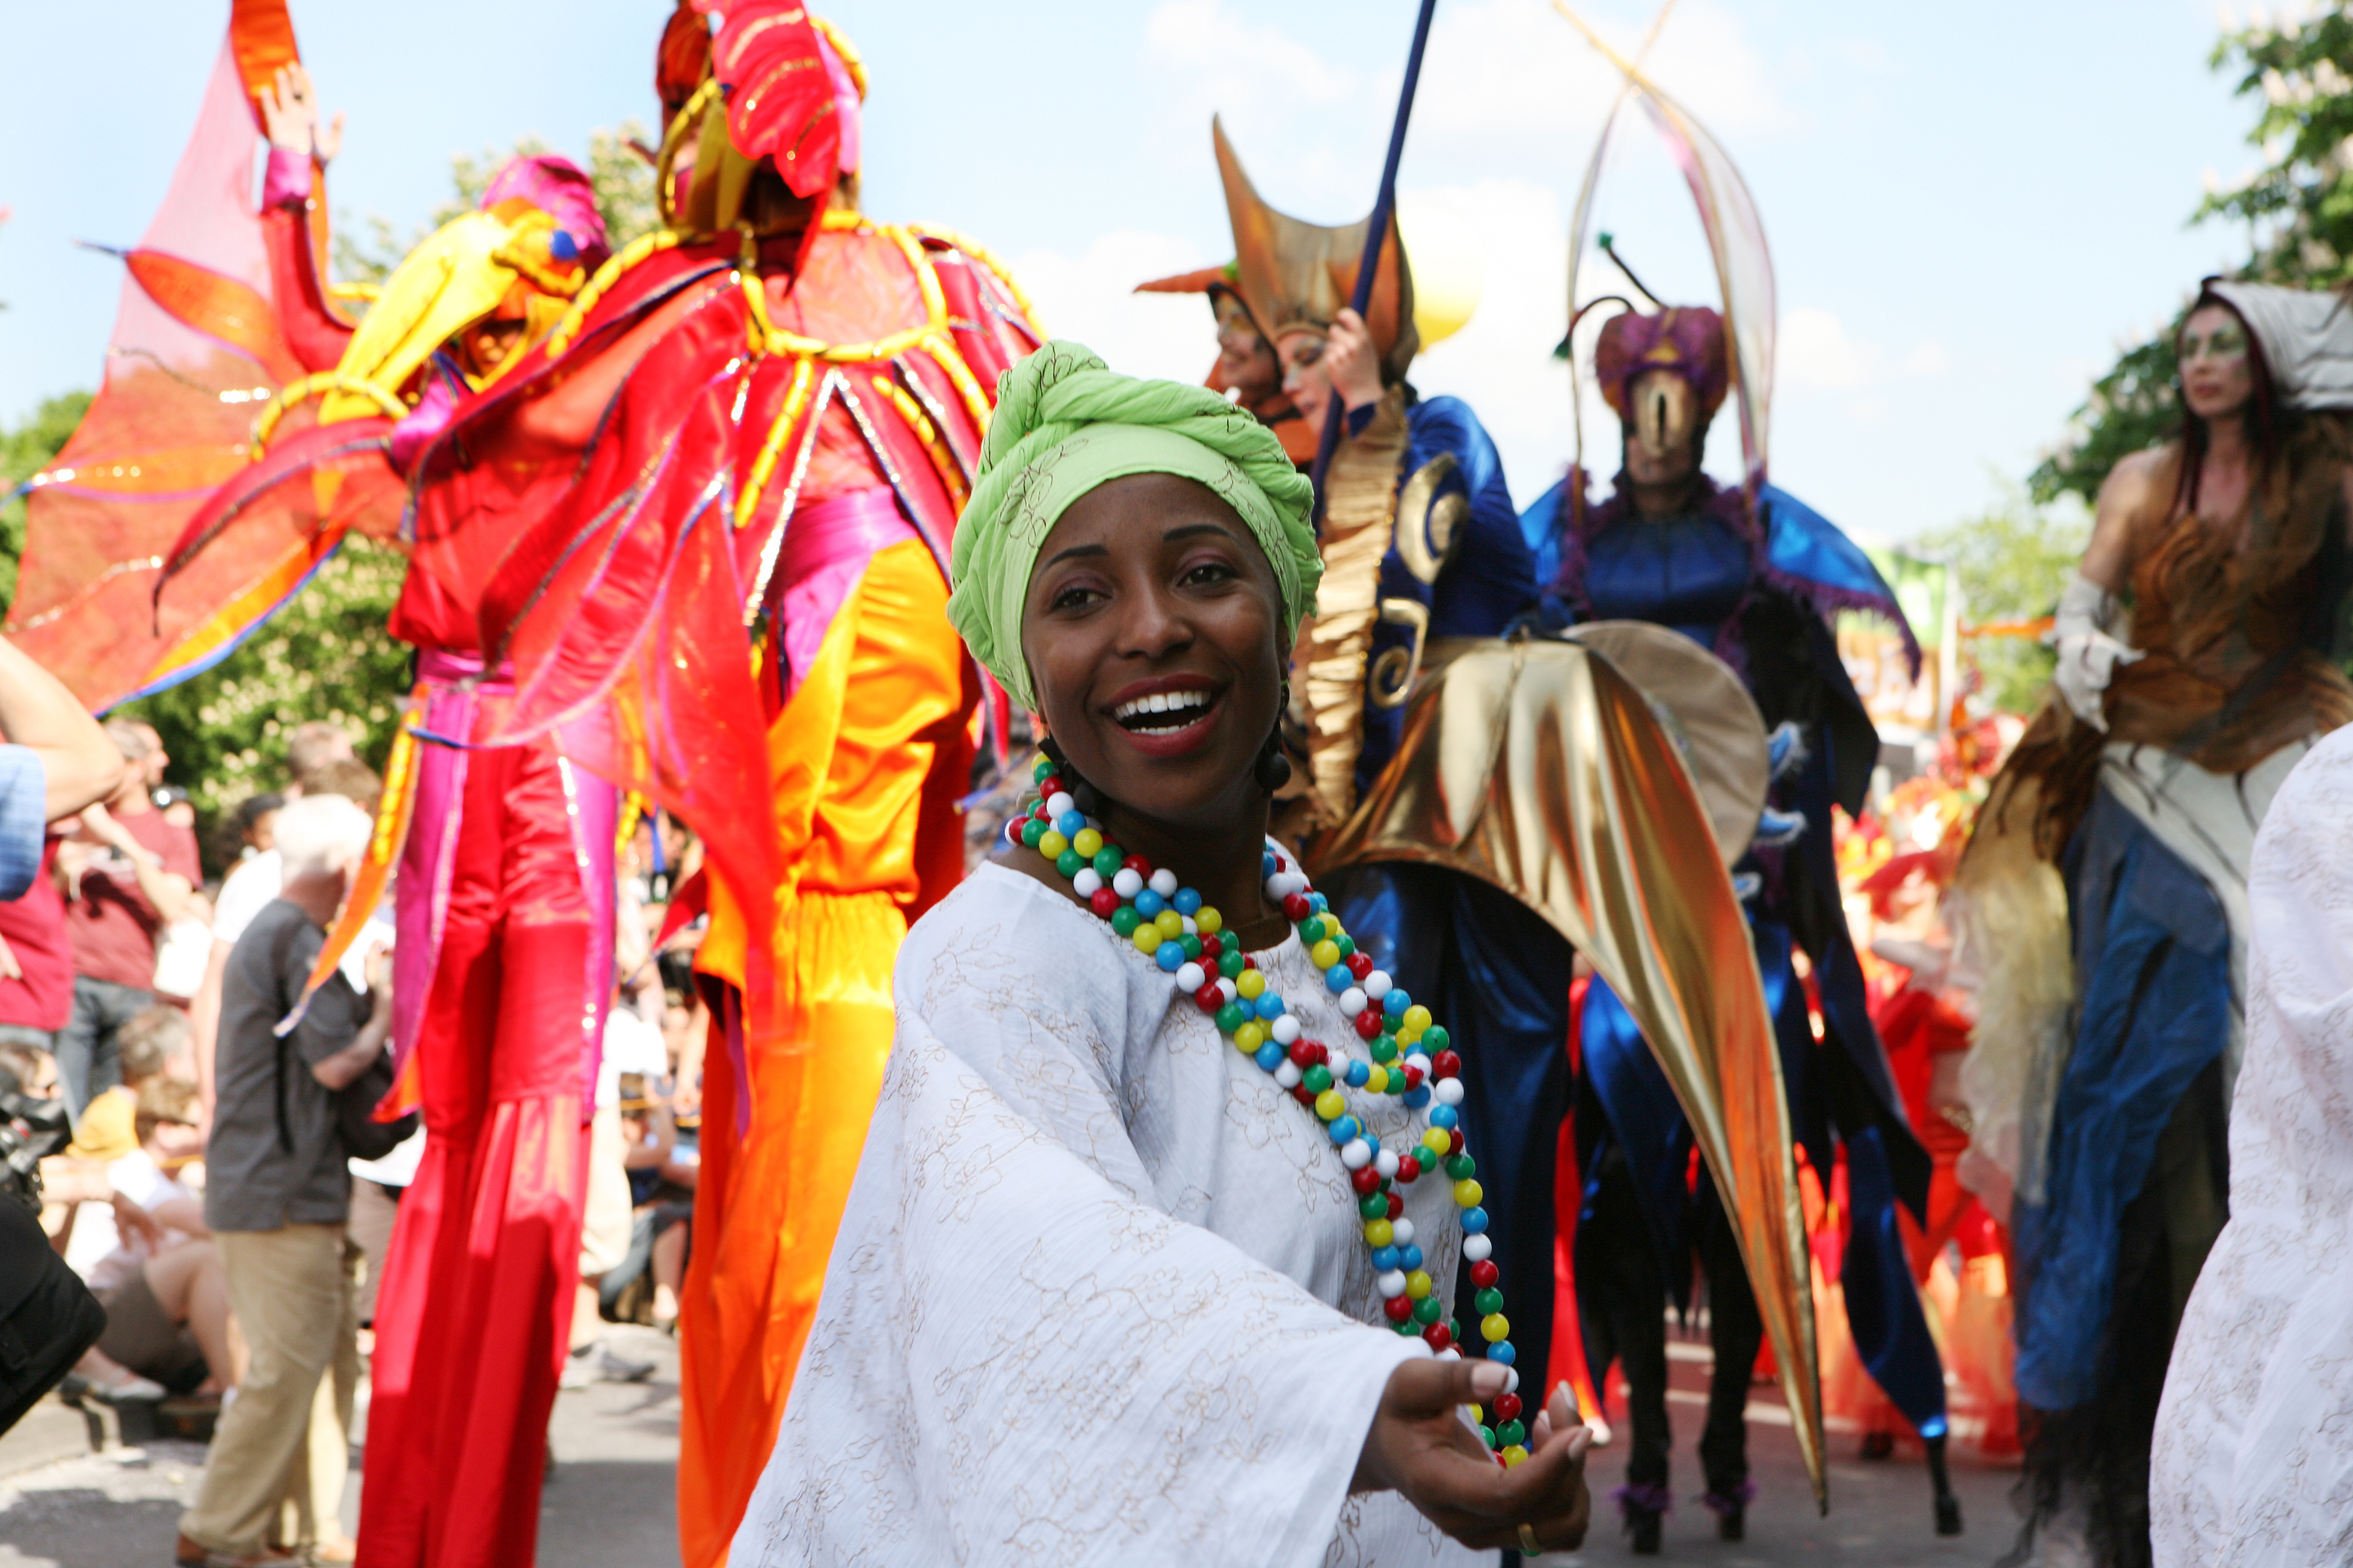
(276, 1197)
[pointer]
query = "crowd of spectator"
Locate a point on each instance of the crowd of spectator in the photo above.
(210, 1197)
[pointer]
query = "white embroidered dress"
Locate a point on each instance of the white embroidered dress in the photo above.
(2252, 1462)
(1101, 1293)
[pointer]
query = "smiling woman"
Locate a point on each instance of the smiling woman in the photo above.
(1106, 1265)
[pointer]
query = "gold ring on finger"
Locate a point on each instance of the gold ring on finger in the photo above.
(1529, 1543)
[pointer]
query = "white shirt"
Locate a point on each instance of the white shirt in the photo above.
(631, 1045)
(98, 1251)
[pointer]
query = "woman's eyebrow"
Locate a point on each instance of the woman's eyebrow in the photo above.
(1061, 555)
(1190, 529)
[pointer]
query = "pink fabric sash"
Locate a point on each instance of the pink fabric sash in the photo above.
(825, 552)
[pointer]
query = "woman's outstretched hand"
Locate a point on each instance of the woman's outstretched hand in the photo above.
(1420, 1448)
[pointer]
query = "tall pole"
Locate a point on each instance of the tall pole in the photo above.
(1384, 206)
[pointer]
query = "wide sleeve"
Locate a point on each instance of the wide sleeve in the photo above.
(1020, 1356)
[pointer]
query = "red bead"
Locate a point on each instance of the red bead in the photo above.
(1103, 902)
(1323, 1054)
(1399, 1307)
(1139, 865)
(1050, 787)
(1507, 1408)
(1297, 907)
(1437, 1338)
(1212, 945)
(1408, 1168)
(1396, 1205)
(1281, 864)
(1303, 1054)
(1445, 1064)
(1368, 1023)
(1209, 998)
(1249, 961)
(1413, 1078)
(1484, 1273)
(1041, 813)
(1360, 963)
(1366, 1180)
(1013, 832)
(1306, 1096)
(1454, 1142)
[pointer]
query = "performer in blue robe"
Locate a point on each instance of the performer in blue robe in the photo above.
(1757, 582)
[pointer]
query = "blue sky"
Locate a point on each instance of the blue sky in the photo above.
(1969, 208)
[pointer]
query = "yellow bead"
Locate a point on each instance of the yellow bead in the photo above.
(1379, 1233)
(1249, 1038)
(1250, 983)
(1051, 844)
(1436, 1141)
(1208, 922)
(1417, 1284)
(1326, 953)
(1331, 1104)
(1494, 1328)
(1148, 938)
(1514, 1455)
(1468, 1193)
(1171, 924)
(1332, 928)
(1086, 841)
(1478, 1415)
(1377, 1082)
(1405, 1037)
(1417, 1019)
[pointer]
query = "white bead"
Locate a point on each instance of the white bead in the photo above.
(1087, 883)
(1164, 882)
(1419, 1059)
(1227, 988)
(1295, 883)
(1190, 928)
(1378, 984)
(1355, 1153)
(1511, 1380)
(1450, 1353)
(1285, 1029)
(1401, 1231)
(1274, 886)
(1385, 1162)
(1059, 802)
(1392, 1283)
(1287, 1073)
(1478, 1248)
(1127, 881)
(1190, 977)
(1449, 1090)
(1352, 1001)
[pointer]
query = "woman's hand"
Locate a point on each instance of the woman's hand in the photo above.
(290, 116)
(1420, 1448)
(1350, 360)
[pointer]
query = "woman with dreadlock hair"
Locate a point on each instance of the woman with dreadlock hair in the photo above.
(2196, 667)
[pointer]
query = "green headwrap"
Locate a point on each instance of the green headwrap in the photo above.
(1065, 424)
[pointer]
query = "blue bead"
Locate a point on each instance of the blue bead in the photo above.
(1171, 956)
(562, 246)
(1342, 1127)
(1440, 1116)
(1318, 902)
(1396, 1002)
(1502, 1353)
(1270, 1005)
(1415, 1098)
(1266, 864)
(1370, 1141)
(1358, 1073)
(1409, 1258)
(1148, 903)
(1270, 1055)
(1338, 978)
(1386, 1259)
(1474, 1221)
(1188, 902)
(1071, 823)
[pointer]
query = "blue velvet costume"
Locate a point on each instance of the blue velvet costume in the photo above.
(1759, 596)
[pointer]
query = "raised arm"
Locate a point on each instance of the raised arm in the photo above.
(2083, 629)
(79, 765)
(290, 115)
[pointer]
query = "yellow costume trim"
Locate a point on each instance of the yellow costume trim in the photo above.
(367, 293)
(968, 386)
(637, 250)
(765, 465)
(956, 240)
(295, 393)
(944, 462)
(775, 340)
(687, 119)
(850, 59)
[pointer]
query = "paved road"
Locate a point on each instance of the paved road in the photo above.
(609, 1501)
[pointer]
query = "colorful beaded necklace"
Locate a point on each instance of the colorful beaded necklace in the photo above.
(1411, 1062)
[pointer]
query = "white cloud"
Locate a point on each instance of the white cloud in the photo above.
(1817, 353)
(1091, 298)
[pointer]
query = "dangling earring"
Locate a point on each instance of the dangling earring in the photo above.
(1084, 795)
(1273, 769)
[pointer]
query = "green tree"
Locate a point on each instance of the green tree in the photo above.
(25, 451)
(2010, 564)
(2298, 208)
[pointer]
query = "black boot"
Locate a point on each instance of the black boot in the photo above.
(1642, 1507)
(1948, 1506)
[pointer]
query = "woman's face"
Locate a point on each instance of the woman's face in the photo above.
(2218, 373)
(1154, 635)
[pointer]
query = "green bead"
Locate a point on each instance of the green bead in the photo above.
(1406, 1327)
(1461, 1167)
(1191, 944)
(1107, 861)
(1487, 1436)
(1427, 1310)
(1509, 1433)
(1453, 1329)
(1384, 1047)
(1311, 929)
(1032, 831)
(1373, 1205)
(1038, 775)
(1489, 1301)
(1435, 1040)
(1231, 1016)
(1069, 863)
(1124, 920)
(1347, 946)
(1396, 1086)
(1317, 1079)
(1230, 963)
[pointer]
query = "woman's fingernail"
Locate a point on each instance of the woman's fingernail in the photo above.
(1487, 1379)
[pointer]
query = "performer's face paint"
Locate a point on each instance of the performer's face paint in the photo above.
(1246, 360)
(1154, 633)
(2217, 376)
(1662, 431)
